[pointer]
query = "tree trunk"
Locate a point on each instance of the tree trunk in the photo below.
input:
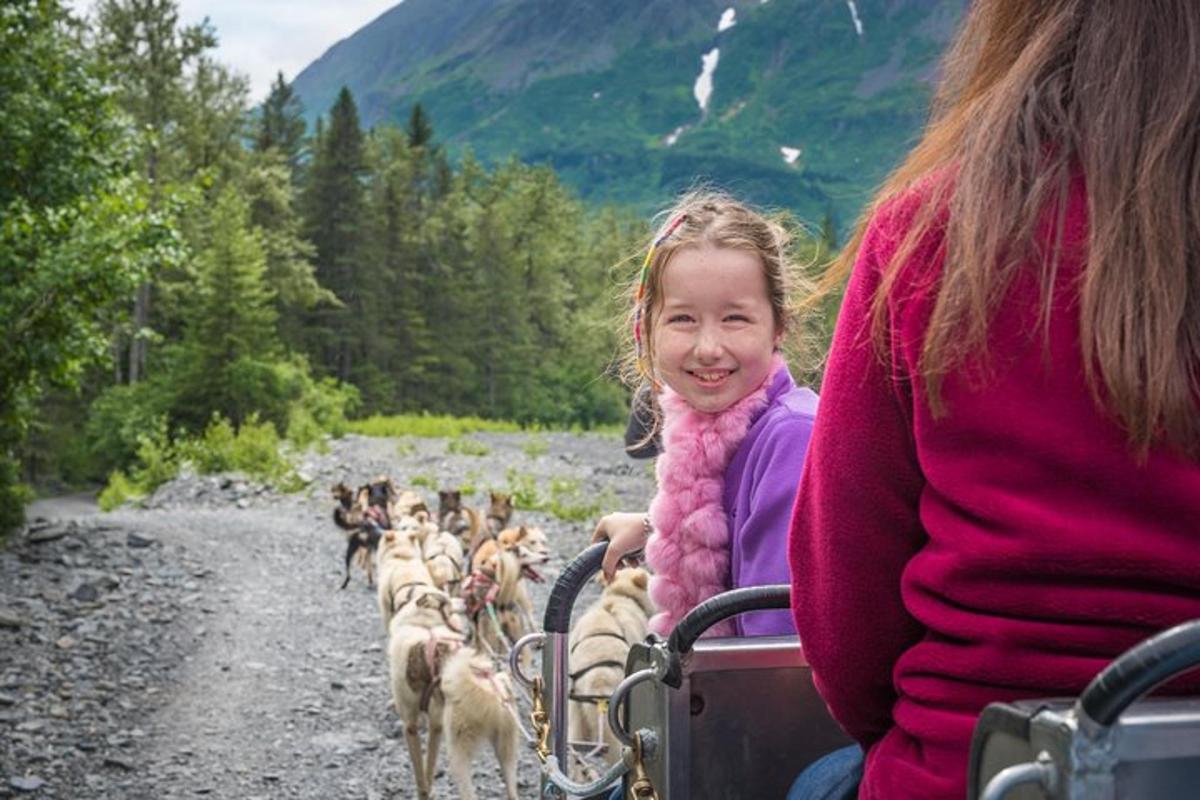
(137, 347)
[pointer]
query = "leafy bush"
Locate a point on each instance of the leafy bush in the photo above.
(119, 491)
(523, 489)
(157, 458)
(467, 447)
(254, 449)
(118, 418)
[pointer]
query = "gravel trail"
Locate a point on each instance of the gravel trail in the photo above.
(200, 647)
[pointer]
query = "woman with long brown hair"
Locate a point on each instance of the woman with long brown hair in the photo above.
(1002, 492)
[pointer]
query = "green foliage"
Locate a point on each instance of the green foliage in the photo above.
(535, 447)
(427, 425)
(119, 491)
(523, 489)
(424, 481)
(253, 449)
(76, 234)
(564, 499)
(467, 447)
(157, 458)
(281, 123)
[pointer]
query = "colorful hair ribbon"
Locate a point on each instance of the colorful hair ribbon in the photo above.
(641, 290)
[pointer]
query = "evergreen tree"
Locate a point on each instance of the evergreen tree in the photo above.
(281, 124)
(266, 185)
(419, 128)
(230, 342)
(334, 206)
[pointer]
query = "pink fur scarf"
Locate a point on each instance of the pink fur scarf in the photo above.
(689, 550)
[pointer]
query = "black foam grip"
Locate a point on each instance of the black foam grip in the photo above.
(567, 588)
(1140, 669)
(723, 606)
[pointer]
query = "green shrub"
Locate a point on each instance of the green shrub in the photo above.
(523, 489)
(157, 459)
(424, 481)
(119, 491)
(13, 495)
(567, 501)
(118, 418)
(534, 447)
(467, 447)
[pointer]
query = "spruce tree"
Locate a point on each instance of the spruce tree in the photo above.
(281, 123)
(334, 206)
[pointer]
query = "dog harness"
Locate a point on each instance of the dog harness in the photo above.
(595, 699)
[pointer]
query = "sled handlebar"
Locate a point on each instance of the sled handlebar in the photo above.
(572, 580)
(1138, 671)
(712, 611)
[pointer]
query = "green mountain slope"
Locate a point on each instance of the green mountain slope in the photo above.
(604, 90)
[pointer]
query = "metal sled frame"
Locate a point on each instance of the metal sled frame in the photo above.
(1109, 744)
(701, 716)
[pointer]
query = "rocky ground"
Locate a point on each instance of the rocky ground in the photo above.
(200, 646)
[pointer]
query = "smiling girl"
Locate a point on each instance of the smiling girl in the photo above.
(710, 311)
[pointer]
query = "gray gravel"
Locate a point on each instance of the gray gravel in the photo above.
(199, 647)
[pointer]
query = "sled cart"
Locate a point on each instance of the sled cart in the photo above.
(697, 718)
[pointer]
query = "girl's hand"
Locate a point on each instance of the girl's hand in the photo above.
(625, 533)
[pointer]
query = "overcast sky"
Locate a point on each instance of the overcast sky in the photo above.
(260, 37)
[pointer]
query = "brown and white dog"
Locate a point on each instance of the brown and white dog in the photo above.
(500, 567)
(479, 707)
(599, 644)
(481, 529)
(423, 634)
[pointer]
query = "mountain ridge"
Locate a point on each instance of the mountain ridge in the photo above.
(812, 101)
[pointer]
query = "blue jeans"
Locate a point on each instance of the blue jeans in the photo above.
(831, 777)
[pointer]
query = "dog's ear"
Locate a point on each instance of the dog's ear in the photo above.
(421, 516)
(640, 579)
(522, 533)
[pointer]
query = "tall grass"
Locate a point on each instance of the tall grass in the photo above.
(428, 425)
(440, 425)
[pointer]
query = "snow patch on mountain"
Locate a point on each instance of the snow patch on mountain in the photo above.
(858, 26)
(704, 84)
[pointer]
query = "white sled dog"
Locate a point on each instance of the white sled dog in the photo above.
(599, 644)
(480, 706)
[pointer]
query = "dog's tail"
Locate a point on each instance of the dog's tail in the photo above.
(474, 522)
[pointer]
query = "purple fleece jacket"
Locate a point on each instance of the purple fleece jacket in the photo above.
(760, 488)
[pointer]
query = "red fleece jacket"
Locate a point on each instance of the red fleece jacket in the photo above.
(1008, 549)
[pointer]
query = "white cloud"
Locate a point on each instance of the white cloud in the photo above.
(728, 20)
(790, 154)
(261, 37)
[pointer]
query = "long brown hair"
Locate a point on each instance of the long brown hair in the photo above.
(1033, 92)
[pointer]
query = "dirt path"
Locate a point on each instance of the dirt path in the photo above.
(208, 649)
